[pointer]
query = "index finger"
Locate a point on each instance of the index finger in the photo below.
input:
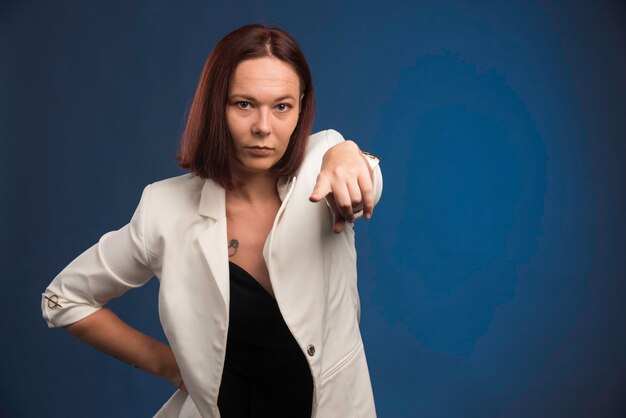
(321, 189)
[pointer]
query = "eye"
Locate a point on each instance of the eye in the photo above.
(243, 105)
(283, 107)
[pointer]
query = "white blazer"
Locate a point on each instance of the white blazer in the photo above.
(178, 234)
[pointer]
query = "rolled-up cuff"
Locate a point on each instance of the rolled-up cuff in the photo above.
(60, 312)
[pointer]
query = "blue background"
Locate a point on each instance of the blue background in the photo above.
(492, 275)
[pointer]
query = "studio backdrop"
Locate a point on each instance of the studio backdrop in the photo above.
(492, 273)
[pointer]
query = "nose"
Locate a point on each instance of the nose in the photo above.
(262, 125)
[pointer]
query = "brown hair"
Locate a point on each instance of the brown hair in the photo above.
(206, 147)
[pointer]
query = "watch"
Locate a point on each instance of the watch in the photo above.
(371, 159)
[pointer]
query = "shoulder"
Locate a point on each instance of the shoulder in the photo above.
(182, 184)
(318, 143)
(174, 193)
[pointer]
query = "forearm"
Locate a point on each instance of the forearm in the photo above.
(108, 333)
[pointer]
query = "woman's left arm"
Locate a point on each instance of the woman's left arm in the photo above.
(350, 181)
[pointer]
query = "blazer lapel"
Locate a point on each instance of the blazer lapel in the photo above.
(213, 240)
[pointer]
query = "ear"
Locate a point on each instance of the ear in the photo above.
(300, 104)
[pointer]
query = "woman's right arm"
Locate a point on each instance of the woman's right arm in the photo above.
(74, 300)
(108, 333)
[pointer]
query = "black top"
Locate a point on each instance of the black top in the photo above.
(259, 341)
(265, 372)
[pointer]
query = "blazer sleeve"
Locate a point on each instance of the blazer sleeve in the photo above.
(333, 138)
(117, 263)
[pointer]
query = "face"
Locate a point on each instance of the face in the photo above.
(262, 112)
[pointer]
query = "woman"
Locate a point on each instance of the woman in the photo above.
(257, 295)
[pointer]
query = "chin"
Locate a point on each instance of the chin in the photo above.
(257, 167)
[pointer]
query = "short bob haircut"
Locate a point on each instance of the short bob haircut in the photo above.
(206, 146)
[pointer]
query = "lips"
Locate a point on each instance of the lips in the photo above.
(260, 151)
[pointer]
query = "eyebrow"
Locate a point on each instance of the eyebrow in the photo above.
(252, 99)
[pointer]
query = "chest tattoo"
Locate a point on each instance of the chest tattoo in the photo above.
(232, 247)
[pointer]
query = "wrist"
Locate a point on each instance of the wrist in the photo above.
(342, 149)
(168, 368)
(371, 161)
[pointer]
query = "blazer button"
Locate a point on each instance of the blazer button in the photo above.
(310, 350)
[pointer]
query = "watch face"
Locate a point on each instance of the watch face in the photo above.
(370, 156)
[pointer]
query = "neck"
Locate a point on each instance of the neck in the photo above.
(254, 187)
